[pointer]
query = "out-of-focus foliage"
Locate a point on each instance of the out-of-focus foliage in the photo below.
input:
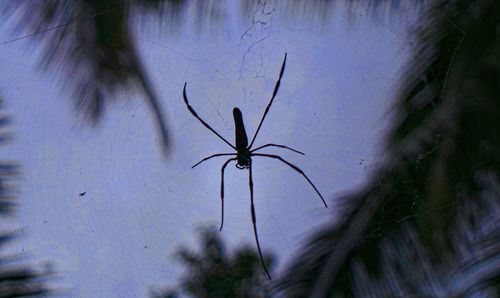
(213, 272)
(322, 10)
(407, 269)
(8, 171)
(428, 209)
(16, 279)
(92, 41)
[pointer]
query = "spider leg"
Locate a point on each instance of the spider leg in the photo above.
(190, 108)
(276, 145)
(252, 209)
(270, 102)
(222, 190)
(215, 155)
(295, 168)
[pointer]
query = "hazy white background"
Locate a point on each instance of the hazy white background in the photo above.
(119, 239)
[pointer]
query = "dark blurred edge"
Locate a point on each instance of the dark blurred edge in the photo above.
(438, 192)
(16, 277)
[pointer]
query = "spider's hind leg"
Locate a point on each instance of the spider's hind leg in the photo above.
(222, 191)
(296, 169)
(254, 220)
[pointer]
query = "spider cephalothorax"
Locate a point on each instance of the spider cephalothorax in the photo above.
(244, 152)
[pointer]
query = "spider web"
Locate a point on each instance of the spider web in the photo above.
(119, 237)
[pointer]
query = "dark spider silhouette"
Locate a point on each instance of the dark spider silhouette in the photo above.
(244, 153)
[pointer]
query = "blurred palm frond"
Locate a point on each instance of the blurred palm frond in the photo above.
(472, 269)
(91, 40)
(8, 172)
(16, 279)
(445, 137)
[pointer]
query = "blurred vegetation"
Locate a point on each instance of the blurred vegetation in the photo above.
(431, 210)
(91, 43)
(214, 272)
(16, 277)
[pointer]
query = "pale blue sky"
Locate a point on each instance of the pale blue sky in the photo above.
(119, 239)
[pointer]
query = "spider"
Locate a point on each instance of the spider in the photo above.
(244, 154)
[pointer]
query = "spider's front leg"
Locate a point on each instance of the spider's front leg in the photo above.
(213, 155)
(193, 112)
(277, 145)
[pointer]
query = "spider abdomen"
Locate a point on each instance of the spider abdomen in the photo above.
(241, 134)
